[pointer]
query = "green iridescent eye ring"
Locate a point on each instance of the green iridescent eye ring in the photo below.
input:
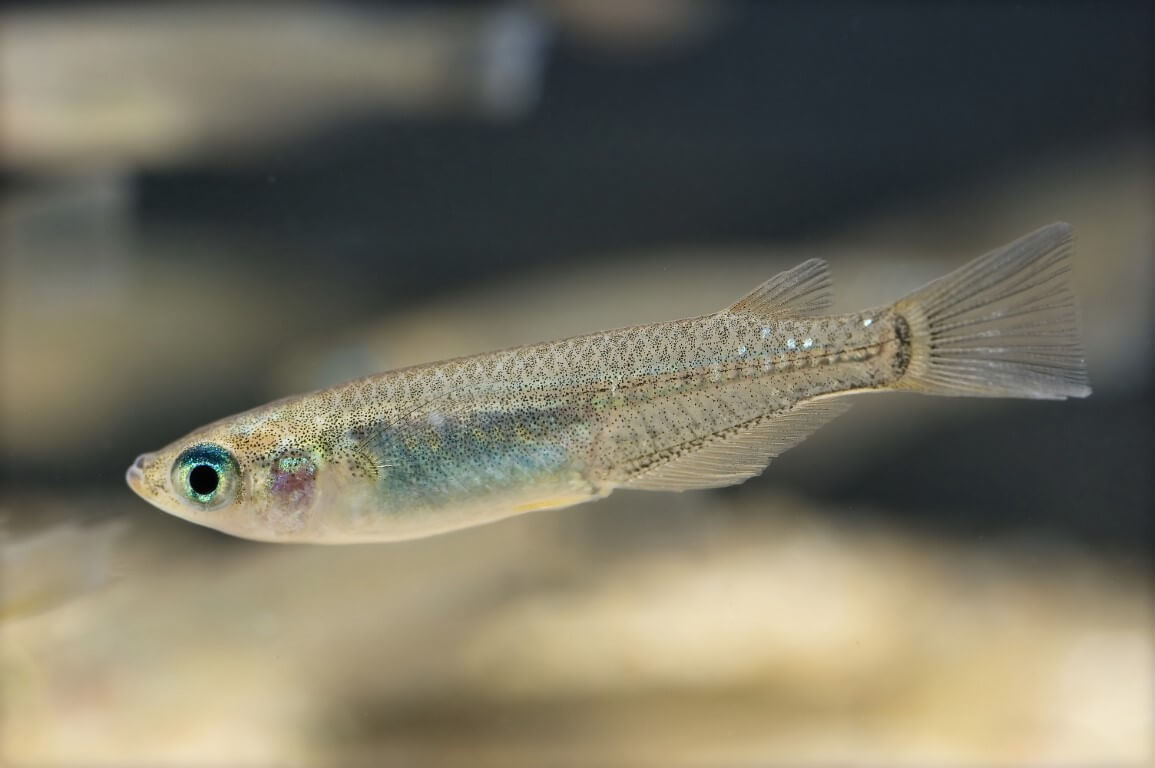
(206, 475)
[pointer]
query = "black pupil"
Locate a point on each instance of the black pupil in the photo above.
(203, 479)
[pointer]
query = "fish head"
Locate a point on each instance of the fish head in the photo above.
(256, 476)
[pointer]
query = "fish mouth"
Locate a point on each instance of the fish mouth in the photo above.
(135, 474)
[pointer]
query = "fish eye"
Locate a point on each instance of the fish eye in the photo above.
(207, 475)
(203, 479)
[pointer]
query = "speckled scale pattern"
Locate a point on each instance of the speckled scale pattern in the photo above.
(594, 403)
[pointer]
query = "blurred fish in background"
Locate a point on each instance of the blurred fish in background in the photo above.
(207, 206)
(136, 76)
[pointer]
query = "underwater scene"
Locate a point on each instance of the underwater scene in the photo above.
(481, 383)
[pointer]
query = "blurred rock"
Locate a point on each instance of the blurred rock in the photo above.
(722, 630)
(48, 567)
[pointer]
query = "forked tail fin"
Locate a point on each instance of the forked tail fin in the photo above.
(1003, 325)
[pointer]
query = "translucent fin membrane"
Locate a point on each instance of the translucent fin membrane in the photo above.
(736, 455)
(802, 290)
(1004, 325)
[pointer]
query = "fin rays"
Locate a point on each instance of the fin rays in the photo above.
(1003, 325)
(803, 290)
(736, 455)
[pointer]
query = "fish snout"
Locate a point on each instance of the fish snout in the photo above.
(135, 474)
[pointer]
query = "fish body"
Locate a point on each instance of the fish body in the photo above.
(695, 403)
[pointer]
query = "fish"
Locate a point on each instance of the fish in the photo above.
(697, 403)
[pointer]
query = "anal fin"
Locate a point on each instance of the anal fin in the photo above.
(735, 455)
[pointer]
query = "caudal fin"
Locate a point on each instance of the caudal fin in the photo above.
(1004, 325)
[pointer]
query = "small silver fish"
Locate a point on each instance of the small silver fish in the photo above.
(698, 403)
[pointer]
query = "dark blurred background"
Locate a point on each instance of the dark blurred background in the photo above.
(209, 205)
(778, 121)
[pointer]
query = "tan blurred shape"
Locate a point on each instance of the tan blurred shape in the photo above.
(169, 83)
(738, 631)
(44, 569)
(636, 24)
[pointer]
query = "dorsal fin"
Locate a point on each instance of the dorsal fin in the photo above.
(803, 290)
(736, 455)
